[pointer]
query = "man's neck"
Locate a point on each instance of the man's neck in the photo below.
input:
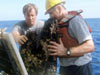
(64, 15)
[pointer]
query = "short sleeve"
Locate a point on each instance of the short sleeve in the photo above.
(20, 27)
(78, 29)
(16, 27)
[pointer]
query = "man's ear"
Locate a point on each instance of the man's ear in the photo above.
(59, 8)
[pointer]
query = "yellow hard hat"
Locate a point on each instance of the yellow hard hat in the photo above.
(52, 3)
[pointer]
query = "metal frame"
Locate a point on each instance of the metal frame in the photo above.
(14, 51)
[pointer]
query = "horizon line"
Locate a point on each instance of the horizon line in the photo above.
(43, 19)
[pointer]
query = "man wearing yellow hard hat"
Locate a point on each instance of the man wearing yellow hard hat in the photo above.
(75, 46)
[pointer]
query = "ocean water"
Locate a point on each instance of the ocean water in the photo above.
(94, 23)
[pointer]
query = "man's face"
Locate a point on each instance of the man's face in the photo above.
(30, 17)
(54, 13)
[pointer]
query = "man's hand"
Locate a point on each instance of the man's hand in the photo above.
(57, 49)
(21, 39)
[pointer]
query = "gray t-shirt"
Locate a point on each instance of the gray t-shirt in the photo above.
(22, 27)
(78, 29)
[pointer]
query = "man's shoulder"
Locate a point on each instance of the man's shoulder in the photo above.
(76, 19)
(19, 26)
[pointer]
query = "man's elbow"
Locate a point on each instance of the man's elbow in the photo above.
(91, 47)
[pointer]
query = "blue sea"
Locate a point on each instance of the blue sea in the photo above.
(94, 24)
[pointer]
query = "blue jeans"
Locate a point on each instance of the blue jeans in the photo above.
(76, 70)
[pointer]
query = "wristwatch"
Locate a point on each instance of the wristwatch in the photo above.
(68, 52)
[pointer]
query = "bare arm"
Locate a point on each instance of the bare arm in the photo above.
(86, 47)
(60, 50)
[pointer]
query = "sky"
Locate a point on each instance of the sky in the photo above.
(12, 9)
